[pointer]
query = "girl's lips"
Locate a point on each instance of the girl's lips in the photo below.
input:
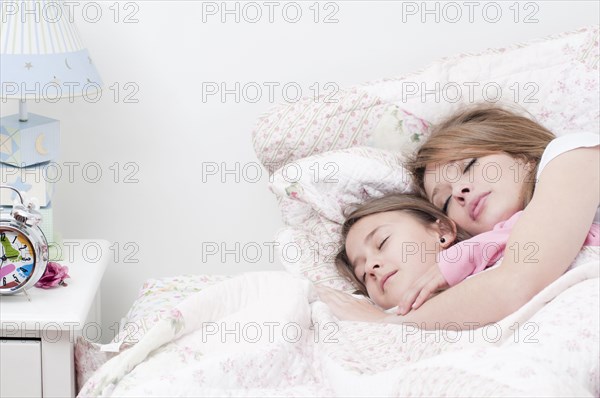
(478, 205)
(388, 276)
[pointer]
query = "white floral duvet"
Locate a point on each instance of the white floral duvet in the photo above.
(267, 334)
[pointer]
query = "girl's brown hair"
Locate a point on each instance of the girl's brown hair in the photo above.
(478, 131)
(418, 207)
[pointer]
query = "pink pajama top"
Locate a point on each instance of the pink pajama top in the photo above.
(481, 251)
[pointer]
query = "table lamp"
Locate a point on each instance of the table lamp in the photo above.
(42, 58)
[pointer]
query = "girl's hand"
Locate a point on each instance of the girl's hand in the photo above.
(347, 308)
(429, 283)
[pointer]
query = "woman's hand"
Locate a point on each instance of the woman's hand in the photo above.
(428, 284)
(347, 308)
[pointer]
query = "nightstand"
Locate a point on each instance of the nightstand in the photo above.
(37, 336)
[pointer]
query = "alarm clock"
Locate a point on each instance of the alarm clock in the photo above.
(23, 247)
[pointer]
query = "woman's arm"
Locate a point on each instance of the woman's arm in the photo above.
(541, 247)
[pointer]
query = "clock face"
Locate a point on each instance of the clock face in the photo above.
(17, 259)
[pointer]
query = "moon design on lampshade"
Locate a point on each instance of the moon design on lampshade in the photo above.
(68, 67)
(39, 145)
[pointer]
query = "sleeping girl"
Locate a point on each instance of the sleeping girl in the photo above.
(400, 246)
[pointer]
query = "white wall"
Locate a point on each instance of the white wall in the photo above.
(170, 131)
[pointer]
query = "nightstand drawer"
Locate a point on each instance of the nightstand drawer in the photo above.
(21, 364)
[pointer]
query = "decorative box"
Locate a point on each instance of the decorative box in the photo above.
(34, 182)
(55, 249)
(47, 224)
(28, 143)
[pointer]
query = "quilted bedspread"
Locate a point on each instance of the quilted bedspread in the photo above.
(267, 334)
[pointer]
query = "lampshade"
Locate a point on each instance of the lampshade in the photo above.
(41, 53)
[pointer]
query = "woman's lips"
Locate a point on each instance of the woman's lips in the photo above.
(385, 278)
(477, 206)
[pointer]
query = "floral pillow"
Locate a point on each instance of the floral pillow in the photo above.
(348, 119)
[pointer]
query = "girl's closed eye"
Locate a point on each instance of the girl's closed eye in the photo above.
(362, 277)
(379, 247)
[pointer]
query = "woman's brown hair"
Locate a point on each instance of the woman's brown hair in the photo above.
(478, 131)
(418, 207)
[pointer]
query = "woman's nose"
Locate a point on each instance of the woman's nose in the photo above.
(461, 191)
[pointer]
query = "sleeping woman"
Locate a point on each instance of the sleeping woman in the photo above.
(482, 166)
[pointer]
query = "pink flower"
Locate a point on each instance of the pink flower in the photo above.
(54, 275)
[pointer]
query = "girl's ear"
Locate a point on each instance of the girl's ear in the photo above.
(447, 231)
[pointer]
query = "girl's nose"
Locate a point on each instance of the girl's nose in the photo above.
(371, 266)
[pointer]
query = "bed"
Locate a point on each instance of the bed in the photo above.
(267, 334)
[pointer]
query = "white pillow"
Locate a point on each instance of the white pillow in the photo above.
(554, 78)
(315, 195)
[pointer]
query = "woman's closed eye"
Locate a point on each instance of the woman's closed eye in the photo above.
(383, 243)
(447, 202)
(471, 163)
